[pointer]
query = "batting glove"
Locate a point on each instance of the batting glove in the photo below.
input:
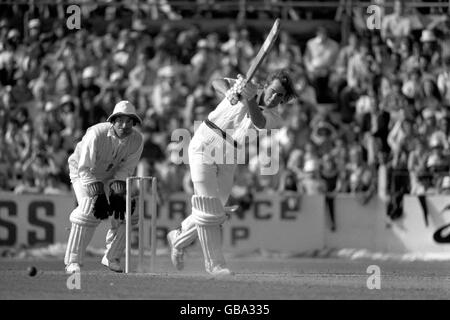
(249, 91)
(234, 93)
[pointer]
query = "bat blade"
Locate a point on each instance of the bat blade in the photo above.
(264, 50)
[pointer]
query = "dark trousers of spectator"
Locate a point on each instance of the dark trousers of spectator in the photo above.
(320, 84)
(399, 185)
(346, 101)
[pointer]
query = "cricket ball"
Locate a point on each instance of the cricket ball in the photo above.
(32, 271)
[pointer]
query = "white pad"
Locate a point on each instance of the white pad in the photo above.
(211, 240)
(83, 215)
(79, 238)
(188, 233)
(115, 242)
(207, 211)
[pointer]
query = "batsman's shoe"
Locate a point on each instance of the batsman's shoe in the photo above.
(72, 268)
(219, 271)
(176, 255)
(113, 265)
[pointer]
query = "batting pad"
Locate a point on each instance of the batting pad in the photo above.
(115, 242)
(187, 234)
(207, 211)
(79, 238)
(82, 215)
(211, 240)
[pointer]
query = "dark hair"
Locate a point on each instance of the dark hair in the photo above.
(283, 76)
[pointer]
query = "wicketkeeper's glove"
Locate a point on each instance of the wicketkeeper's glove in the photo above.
(117, 201)
(100, 208)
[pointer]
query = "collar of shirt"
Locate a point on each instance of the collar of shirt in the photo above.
(111, 133)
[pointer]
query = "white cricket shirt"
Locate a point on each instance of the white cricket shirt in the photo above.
(102, 156)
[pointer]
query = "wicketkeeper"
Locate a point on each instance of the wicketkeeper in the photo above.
(213, 180)
(108, 153)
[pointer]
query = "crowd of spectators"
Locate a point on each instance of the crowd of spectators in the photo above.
(380, 98)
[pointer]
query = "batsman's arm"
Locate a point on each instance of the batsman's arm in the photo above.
(221, 85)
(255, 113)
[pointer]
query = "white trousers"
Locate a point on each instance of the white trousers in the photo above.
(209, 179)
(81, 234)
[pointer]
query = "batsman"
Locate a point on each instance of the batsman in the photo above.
(107, 154)
(243, 108)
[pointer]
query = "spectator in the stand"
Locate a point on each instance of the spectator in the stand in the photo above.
(203, 63)
(311, 182)
(443, 82)
(380, 50)
(187, 40)
(39, 166)
(286, 54)
(43, 85)
(417, 163)
(394, 101)
(323, 135)
(88, 82)
(329, 172)
(442, 130)
(307, 96)
(437, 162)
(230, 47)
(412, 63)
(170, 171)
(319, 59)
(360, 176)
(340, 153)
(8, 65)
(412, 88)
(361, 69)
(142, 76)
(169, 93)
(430, 47)
(201, 97)
(338, 78)
(226, 69)
(288, 181)
(295, 162)
(6, 166)
(54, 186)
(395, 26)
(400, 135)
(431, 98)
(428, 126)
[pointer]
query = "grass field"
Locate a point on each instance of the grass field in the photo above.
(259, 278)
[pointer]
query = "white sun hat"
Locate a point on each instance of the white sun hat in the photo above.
(126, 108)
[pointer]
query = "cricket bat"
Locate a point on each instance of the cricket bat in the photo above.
(256, 62)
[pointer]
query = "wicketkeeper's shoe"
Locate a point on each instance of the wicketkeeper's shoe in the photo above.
(72, 268)
(176, 255)
(219, 271)
(113, 265)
